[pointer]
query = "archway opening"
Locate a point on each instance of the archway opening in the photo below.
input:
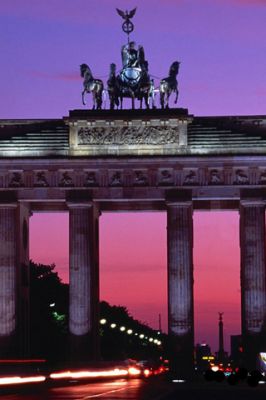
(216, 276)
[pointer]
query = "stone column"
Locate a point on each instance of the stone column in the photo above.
(253, 285)
(180, 286)
(14, 280)
(84, 281)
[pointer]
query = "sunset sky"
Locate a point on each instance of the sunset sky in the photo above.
(222, 48)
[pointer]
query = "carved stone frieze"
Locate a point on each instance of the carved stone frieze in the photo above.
(127, 175)
(128, 135)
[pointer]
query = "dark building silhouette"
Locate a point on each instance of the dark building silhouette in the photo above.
(203, 356)
(236, 349)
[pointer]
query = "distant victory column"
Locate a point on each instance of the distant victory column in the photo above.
(221, 354)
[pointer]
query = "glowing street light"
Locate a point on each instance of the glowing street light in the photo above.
(129, 331)
(113, 326)
(103, 321)
(122, 328)
(141, 336)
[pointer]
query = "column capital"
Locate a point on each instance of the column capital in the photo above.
(252, 203)
(8, 205)
(253, 197)
(178, 198)
(178, 204)
(81, 204)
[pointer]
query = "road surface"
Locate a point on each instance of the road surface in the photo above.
(137, 389)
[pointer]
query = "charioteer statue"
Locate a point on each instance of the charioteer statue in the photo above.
(133, 81)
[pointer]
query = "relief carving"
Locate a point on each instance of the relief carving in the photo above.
(66, 180)
(215, 177)
(141, 178)
(262, 178)
(190, 178)
(90, 179)
(116, 179)
(133, 135)
(16, 180)
(166, 177)
(41, 180)
(241, 177)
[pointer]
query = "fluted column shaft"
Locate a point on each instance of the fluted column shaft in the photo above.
(84, 281)
(253, 284)
(180, 286)
(8, 279)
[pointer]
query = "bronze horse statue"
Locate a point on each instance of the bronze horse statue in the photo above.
(169, 85)
(91, 85)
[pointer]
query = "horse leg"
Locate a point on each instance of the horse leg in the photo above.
(93, 101)
(153, 101)
(167, 101)
(176, 96)
(112, 103)
(162, 100)
(146, 98)
(99, 101)
(83, 99)
(121, 102)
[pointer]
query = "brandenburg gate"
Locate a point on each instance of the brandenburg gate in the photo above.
(131, 160)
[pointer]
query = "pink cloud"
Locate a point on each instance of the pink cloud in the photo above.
(64, 76)
(261, 92)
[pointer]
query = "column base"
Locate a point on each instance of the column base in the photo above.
(181, 357)
(8, 347)
(82, 349)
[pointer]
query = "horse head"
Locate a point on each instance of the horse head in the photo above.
(112, 69)
(174, 68)
(84, 68)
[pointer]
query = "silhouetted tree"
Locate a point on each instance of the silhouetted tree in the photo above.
(117, 344)
(48, 312)
(49, 299)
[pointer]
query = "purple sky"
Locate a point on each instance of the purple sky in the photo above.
(220, 43)
(222, 48)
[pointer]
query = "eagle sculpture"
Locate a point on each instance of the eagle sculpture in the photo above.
(126, 15)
